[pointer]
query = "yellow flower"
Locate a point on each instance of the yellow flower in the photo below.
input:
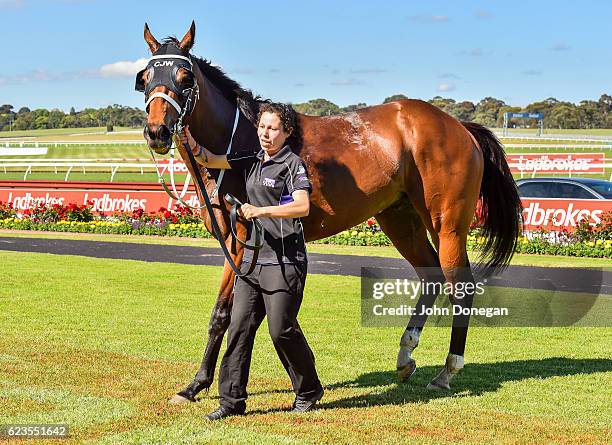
(354, 233)
(590, 244)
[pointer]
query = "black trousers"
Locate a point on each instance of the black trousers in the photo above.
(275, 291)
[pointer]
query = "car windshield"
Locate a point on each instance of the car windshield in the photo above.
(604, 188)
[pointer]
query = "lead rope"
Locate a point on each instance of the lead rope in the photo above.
(174, 194)
(194, 95)
(217, 230)
(229, 148)
(207, 203)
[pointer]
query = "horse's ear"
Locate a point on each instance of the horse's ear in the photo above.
(151, 41)
(189, 39)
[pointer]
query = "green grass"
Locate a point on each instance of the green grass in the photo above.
(129, 151)
(78, 175)
(554, 131)
(377, 251)
(63, 134)
(88, 151)
(102, 344)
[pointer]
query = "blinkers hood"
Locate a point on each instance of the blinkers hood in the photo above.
(163, 67)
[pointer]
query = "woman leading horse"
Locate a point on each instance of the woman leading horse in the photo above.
(416, 169)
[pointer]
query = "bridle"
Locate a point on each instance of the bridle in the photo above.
(163, 68)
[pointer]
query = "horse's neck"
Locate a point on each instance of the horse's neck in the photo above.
(212, 119)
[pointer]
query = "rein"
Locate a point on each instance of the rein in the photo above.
(193, 95)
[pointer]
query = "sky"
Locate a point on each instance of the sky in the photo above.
(85, 53)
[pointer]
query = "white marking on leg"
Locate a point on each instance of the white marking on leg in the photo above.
(406, 365)
(454, 364)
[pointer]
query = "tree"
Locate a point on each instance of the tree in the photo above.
(441, 102)
(354, 107)
(394, 98)
(6, 109)
(565, 115)
(464, 111)
(487, 111)
(605, 106)
(590, 115)
(317, 107)
(55, 118)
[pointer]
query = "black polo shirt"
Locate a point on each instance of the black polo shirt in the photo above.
(271, 183)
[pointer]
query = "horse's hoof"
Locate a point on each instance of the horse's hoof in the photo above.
(404, 372)
(454, 364)
(179, 400)
(435, 386)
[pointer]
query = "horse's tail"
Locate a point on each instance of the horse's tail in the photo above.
(500, 207)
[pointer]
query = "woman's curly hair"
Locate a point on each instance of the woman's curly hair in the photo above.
(288, 118)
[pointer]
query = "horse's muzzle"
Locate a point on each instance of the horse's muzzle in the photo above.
(159, 138)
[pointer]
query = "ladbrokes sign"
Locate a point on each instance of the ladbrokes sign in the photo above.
(105, 198)
(179, 167)
(556, 162)
(550, 214)
(558, 214)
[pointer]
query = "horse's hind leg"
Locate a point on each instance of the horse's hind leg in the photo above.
(403, 226)
(456, 268)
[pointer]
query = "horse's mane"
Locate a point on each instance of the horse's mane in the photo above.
(245, 99)
(231, 90)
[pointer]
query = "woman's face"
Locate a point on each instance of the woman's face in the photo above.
(271, 133)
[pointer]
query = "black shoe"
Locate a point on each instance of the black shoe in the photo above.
(304, 405)
(222, 412)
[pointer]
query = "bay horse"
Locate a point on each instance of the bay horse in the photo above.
(416, 169)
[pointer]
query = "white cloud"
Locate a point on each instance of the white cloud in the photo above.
(483, 14)
(445, 87)
(122, 68)
(560, 47)
(241, 70)
(11, 3)
(368, 70)
(346, 82)
(429, 18)
(449, 76)
(532, 72)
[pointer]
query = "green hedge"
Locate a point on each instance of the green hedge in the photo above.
(190, 230)
(362, 235)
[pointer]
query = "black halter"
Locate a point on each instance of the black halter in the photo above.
(163, 67)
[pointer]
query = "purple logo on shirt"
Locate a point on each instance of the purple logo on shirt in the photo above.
(268, 182)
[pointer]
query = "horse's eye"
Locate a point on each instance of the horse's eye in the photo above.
(187, 81)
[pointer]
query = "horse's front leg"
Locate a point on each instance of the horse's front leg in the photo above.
(219, 321)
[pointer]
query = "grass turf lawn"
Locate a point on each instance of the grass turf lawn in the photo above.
(382, 251)
(139, 151)
(67, 134)
(101, 344)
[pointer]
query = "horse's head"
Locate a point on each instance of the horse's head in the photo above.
(170, 88)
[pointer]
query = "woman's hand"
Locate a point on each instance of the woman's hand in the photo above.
(250, 211)
(188, 141)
